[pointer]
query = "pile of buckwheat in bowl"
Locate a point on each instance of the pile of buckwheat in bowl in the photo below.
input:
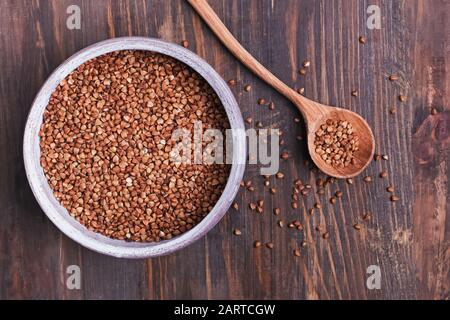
(105, 146)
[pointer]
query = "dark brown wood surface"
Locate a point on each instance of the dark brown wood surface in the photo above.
(409, 240)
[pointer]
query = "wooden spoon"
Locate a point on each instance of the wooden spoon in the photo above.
(314, 113)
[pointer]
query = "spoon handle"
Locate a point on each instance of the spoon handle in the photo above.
(229, 41)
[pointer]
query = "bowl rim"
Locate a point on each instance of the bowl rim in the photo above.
(60, 216)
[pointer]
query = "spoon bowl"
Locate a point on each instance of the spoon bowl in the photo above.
(366, 142)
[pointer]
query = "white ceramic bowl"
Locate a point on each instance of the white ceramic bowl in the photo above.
(59, 215)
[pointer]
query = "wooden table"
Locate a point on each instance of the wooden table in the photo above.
(408, 240)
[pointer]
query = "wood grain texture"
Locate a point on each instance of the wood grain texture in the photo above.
(314, 114)
(408, 239)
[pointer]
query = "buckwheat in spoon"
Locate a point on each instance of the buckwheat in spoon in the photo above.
(340, 141)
